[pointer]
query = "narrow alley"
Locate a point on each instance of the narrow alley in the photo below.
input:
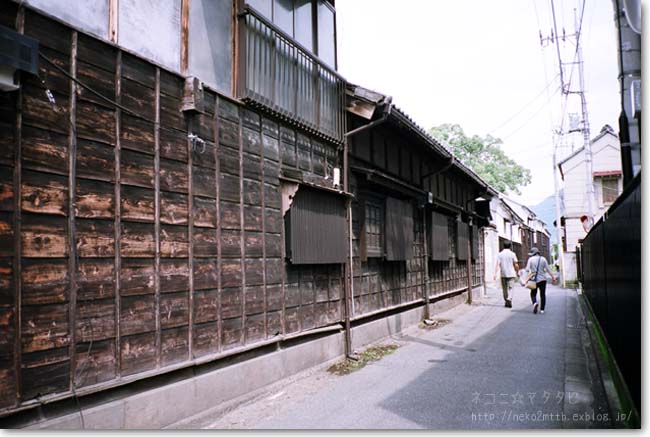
(488, 368)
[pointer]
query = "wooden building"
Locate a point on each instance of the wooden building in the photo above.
(415, 225)
(152, 220)
(515, 223)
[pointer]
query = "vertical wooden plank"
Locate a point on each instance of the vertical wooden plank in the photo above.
(118, 212)
(72, 181)
(242, 235)
(424, 258)
(157, 217)
(190, 261)
(112, 20)
(263, 204)
(20, 27)
(185, 32)
(283, 253)
(218, 229)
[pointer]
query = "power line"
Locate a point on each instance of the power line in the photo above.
(525, 106)
(532, 116)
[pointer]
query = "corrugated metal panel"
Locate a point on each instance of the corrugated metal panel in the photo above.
(463, 237)
(399, 229)
(316, 232)
(439, 247)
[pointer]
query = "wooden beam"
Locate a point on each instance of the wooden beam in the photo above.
(242, 234)
(118, 214)
(263, 202)
(185, 36)
(217, 166)
(112, 20)
(425, 260)
(190, 235)
(469, 273)
(72, 182)
(157, 218)
(20, 27)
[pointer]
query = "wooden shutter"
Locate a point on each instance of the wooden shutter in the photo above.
(475, 245)
(462, 233)
(399, 229)
(439, 247)
(316, 228)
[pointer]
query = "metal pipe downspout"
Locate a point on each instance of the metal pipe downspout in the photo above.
(349, 271)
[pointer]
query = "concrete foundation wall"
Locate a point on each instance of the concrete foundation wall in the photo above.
(171, 403)
(570, 268)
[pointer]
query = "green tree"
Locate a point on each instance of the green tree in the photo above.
(485, 157)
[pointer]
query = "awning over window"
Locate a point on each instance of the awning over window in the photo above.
(316, 227)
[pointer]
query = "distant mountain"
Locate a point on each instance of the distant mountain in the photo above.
(545, 210)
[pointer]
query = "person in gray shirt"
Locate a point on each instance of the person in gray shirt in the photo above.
(507, 265)
(537, 267)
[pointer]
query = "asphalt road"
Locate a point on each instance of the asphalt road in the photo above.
(490, 368)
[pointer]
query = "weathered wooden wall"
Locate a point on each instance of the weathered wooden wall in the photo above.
(381, 284)
(126, 249)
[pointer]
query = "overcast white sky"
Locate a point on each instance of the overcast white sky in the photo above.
(478, 63)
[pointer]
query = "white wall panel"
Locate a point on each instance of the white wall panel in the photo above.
(210, 43)
(152, 28)
(88, 15)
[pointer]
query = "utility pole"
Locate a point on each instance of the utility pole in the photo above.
(554, 38)
(558, 216)
(585, 124)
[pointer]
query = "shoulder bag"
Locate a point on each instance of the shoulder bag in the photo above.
(532, 284)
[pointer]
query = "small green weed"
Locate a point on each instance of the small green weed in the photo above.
(373, 353)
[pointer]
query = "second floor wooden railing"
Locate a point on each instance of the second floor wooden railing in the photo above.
(281, 76)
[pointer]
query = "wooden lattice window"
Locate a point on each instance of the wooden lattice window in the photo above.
(374, 227)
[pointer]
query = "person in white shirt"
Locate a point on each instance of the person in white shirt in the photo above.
(507, 265)
(537, 267)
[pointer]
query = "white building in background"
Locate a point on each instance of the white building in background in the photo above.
(608, 184)
(511, 221)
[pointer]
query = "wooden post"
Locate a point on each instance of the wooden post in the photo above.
(118, 213)
(217, 176)
(348, 265)
(425, 285)
(112, 20)
(157, 220)
(469, 271)
(185, 36)
(72, 181)
(17, 180)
